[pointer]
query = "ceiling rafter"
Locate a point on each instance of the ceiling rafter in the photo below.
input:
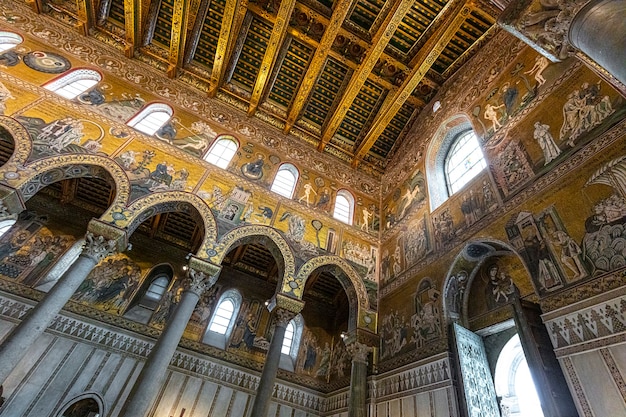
(317, 62)
(358, 79)
(423, 62)
(348, 35)
(104, 8)
(234, 14)
(86, 16)
(271, 53)
(178, 36)
(195, 32)
(132, 17)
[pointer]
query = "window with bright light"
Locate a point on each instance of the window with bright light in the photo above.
(344, 207)
(74, 83)
(288, 339)
(464, 161)
(157, 288)
(9, 40)
(222, 152)
(151, 118)
(285, 180)
(291, 343)
(223, 319)
(514, 384)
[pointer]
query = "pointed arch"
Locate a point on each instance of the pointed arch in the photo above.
(46, 171)
(21, 140)
(462, 272)
(361, 314)
(269, 236)
(168, 201)
(86, 396)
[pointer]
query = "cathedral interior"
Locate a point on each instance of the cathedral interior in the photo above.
(298, 208)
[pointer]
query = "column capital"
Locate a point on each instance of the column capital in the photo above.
(97, 247)
(11, 202)
(285, 308)
(359, 351)
(109, 232)
(198, 282)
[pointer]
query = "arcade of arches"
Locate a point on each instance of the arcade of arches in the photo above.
(148, 269)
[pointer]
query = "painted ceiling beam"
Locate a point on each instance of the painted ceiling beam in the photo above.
(271, 53)
(86, 16)
(234, 14)
(423, 62)
(373, 54)
(349, 35)
(342, 7)
(104, 8)
(196, 31)
(178, 36)
(132, 17)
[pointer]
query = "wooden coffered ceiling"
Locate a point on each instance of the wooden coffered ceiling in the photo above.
(348, 75)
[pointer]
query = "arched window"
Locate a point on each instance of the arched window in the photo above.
(151, 118)
(75, 82)
(221, 152)
(5, 225)
(222, 317)
(61, 266)
(9, 40)
(285, 180)
(223, 320)
(288, 339)
(464, 161)
(291, 343)
(344, 207)
(453, 159)
(150, 294)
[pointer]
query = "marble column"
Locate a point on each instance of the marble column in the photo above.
(35, 322)
(357, 406)
(286, 309)
(146, 388)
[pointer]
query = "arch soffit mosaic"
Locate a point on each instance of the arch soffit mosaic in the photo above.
(269, 236)
(360, 313)
(31, 178)
(21, 139)
(161, 202)
(467, 263)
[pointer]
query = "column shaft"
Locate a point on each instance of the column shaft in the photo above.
(268, 376)
(358, 390)
(35, 322)
(146, 388)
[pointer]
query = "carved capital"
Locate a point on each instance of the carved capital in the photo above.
(109, 232)
(11, 203)
(97, 247)
(198, 282)
(359, 351)
(283, 316)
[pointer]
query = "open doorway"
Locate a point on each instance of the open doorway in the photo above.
(491, 305)
(514, 385)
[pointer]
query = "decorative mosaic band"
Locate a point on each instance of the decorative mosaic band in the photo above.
(594, 326)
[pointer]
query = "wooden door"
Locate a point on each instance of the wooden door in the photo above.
(555, 397)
